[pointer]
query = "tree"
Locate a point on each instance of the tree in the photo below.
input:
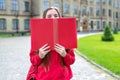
(107, 36)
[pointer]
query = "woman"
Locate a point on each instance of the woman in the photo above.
(51, 64)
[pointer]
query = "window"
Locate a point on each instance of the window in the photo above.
(116, 14)
(110, 2)
(45, 5)
(98, 24)
(110, 24)
(25, 6)
(66, 8)
(104, 24)
(56, 4)
(26, 24)
(14, 5)
(117, 24)
(119, 5)
(103, 12)
(97, 1)
(103, 1)
(90, 11)
(110, 13)
(116, 4)
(2, 4)
(75, 9)
(84, 10)
(119, 15)
(92, 23)
(90, 0)
(2, 24)
(97, 11)
(15, 23)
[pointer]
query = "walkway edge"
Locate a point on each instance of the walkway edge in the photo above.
(100, 67)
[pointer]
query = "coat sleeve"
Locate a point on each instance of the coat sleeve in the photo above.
(69, 58)
(35, 59)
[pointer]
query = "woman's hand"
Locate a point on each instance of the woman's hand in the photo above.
(44, 50)
(60, 49)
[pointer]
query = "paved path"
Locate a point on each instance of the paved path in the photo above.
(14, 58)
(14, 62)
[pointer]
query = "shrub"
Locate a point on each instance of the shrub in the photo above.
(107, 36)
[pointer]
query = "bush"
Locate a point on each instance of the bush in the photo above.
(107, 36)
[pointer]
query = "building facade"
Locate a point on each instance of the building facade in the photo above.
(99, 13)
(14, 15)
(91, 15)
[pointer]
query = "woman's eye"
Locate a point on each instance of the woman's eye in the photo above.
(49, 16)
(55, 15)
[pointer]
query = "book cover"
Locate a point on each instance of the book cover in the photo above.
(52, 31)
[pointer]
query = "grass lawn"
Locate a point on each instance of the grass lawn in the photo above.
(7, 35)
(106, 54)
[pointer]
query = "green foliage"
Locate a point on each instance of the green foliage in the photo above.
(115, 31)
(107, 36)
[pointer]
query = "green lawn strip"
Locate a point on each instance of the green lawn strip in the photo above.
(106, 54)
(7, 35)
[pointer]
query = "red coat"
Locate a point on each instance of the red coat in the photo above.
(56, 70)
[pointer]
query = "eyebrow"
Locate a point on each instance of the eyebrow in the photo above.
(53, 14)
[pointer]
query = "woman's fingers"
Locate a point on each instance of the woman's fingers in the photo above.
(58, 45)
(60, 49)
(45, 49)
(44, 46)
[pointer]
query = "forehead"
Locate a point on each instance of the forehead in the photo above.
(52, 11)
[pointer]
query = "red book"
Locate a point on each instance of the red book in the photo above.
(52, 31)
